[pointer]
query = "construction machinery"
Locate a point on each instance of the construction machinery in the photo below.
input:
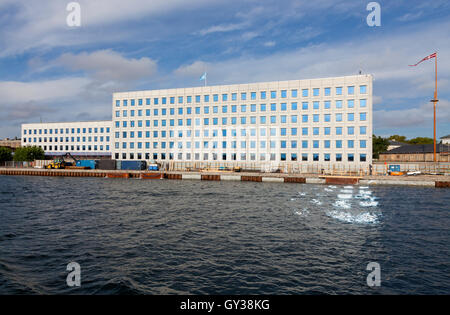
(61, 163)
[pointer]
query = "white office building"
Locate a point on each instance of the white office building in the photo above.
(319, 123)
(91, 138)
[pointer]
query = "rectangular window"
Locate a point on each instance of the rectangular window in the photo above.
(316, 118)
(273, 94)
(350, 90)
(350, 144)
(362, 144)
(362, 116)
(363, 89)
(263, 95)
(283, 93)
(305, 92)
(316, 92)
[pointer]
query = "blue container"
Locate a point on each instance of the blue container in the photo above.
(153, 167)
(87, 163)
(394, 168)
(133, 165)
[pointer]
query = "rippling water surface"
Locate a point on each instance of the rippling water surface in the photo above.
(197, 237)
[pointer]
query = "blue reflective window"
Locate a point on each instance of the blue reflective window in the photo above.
(363, 89)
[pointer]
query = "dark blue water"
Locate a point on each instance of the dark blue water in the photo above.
(196, 237)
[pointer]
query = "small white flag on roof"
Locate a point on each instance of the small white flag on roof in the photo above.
(203, 77)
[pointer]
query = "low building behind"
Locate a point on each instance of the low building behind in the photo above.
(417, 153)
(82, 139)
(446, 139)
(395, 144)
(10, 143)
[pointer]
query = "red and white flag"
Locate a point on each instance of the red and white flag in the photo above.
(426, 58)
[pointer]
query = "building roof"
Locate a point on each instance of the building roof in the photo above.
(393, 142)
(418, 148)
(446, 137)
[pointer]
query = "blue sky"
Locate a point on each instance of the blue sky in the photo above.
(52, 72)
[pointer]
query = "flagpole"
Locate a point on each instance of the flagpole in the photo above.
(435, 100)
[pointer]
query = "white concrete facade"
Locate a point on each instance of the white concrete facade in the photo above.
(91, 138)
(323, 122)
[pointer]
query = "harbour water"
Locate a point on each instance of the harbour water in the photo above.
(198, 237)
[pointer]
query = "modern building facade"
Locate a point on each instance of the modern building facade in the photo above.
(91, 138)
(322, 122)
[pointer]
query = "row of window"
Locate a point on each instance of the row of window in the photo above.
(283, 119)
(263, 132)
(67, 139)
(67, 148)
(68, 131)
(243, 96)
(243, 108)
(304, 157)
(283, 144)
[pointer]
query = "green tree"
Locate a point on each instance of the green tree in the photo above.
(421, 140)
(5, 154)
(398, 138)
(29, 154)
(379, 145)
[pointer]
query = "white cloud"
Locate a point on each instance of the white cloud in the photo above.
(269, 44)
(42, 91)
(416, 116)
(195, 69)
(222, 28)
(107, 65)
(42, 24)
